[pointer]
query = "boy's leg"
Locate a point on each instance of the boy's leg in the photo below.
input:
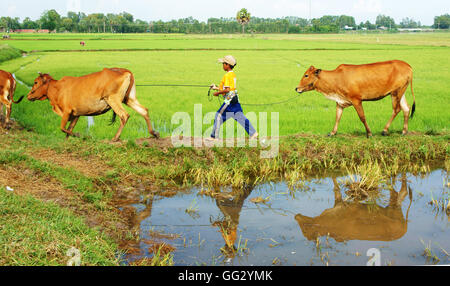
(241, 119)
(219, 120)
(244, 122)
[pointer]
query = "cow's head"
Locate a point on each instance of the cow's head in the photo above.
(308, 80)
(40, 87)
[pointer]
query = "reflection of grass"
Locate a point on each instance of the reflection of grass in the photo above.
(162, 256)
(364, 181)
(192, 210)
(428, 253)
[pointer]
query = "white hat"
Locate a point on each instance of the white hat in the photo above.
(228, 60)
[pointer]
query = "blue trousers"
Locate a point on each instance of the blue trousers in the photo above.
(227, 111)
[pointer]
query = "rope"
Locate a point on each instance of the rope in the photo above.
(210, 97)
(175, 85)
(270, 104)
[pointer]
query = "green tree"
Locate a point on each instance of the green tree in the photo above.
(346, 21)
(442, 22)
(9, 23)
(408, 23)
(50, 19)
(67, 24)
(385, 21)
(29, 24)
(243, 18)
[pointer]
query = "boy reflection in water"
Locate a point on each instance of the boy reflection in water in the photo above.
(231, 209)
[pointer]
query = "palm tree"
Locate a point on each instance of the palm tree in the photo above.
(243, 17)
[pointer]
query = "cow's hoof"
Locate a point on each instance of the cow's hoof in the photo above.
(331, 134)
(369, 135)
(384, 133)
(404, 133)
(156, 134)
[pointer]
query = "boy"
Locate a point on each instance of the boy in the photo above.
(231, 106)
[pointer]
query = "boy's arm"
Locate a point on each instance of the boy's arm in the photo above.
(224, 91)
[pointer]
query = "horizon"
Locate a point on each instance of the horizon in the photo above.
(361, 10)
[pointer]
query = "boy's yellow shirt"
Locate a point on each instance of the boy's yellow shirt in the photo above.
(229, 80)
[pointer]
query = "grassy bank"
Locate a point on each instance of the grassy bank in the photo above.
(80, 184)
(8, 53)
(35, 233)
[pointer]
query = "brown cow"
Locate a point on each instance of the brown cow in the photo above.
(359, 221)
(7, 89)
(90, 95)
(352, 84)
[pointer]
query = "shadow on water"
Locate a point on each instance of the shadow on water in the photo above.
(321, 223)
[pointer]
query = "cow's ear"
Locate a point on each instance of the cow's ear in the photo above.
(317, 72)
(311, 68)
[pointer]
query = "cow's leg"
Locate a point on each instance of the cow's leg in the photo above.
(8, 115)
(404, 106)
(395, 110)
(1, 113)
(64, 120)
(134, 104)
(72, 126)
(123, 115)
(4, 101)
(339, 110)
(359, 109)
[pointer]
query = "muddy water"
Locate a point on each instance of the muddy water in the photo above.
(318, 224)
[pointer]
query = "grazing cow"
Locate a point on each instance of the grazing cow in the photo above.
(82, 44)
(7, 89)
(90, 95)
(358, 221)
(352, 84)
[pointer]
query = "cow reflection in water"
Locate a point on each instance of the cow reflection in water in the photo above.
(359, 221)
(231, 208)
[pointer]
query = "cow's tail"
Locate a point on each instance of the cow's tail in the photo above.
(12, 90)
(113, 118)
(414, 98)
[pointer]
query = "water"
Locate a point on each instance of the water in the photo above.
(317, 225)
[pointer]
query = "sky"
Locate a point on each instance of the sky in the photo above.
(153, 10)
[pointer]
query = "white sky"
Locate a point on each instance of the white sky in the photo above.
(152, 10)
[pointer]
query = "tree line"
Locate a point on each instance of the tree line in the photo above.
(126, 23)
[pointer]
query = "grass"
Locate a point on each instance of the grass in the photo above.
(264, 76)
(34, 233)
(8, 53)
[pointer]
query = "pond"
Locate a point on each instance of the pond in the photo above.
(319, 222)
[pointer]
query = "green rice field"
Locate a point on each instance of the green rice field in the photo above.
(269, 68)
